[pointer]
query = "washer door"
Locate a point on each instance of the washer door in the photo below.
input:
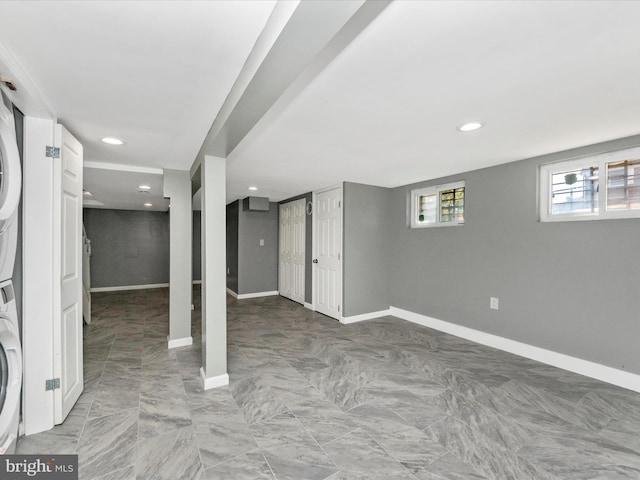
(11, 380)
(10, 171)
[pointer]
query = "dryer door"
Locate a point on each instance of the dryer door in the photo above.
(4, 377)
(10, 171)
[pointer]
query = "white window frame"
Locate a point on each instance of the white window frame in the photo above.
(416, 194)
(599, 160)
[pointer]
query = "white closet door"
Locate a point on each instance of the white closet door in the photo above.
(284, 254)
(292, 250)
(298, 223)
(328, 252)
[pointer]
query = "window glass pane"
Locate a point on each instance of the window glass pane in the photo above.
(452, 205)
(575, 191)
(623, 185)
(427, 208)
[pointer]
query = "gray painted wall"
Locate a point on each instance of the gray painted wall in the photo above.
(308, 247)
(233, 211)
(366, 249)
(17, 276)
(570, 287)
(258, 265)
(196, 246)
(127, 247)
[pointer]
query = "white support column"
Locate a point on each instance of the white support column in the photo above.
(177, 186)
(214, 286)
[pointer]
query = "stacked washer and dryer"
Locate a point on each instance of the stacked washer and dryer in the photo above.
(10, 347)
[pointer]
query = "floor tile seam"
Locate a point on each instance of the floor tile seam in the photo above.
(273, 474)
(430, 433)
(373, 399)
(84, 424)
(104, 364)
(480, 431)
(258, 449)
(439, 365)
(309, 433)
(235, 402)
(270, 417)
(386, 451)
(315, 441)
(412, 423)
(195, 436)
(579, 423)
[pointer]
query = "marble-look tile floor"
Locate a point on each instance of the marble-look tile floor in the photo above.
(310, 398)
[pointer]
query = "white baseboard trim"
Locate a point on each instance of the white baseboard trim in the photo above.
(309, 306)
(242, 296)
(600, 372)
(213, 382)
(197, 282)
(365, 316)
(128, 287)
(180, 342)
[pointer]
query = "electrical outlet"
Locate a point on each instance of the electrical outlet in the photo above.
(262, 242)
(228, 271)
(494, 303)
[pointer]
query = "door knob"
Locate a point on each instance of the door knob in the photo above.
(315, 260)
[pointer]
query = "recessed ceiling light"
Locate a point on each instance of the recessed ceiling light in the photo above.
(112, 141)
(253, 189)
(148, 204)
(470, 126)
(144, 188)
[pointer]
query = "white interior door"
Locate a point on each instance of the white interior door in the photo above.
(328, 252)
(292, 249)
(298, 225)
(284, 254)
(68, 333)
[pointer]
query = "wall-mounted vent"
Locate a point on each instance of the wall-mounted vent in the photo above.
(256, 204)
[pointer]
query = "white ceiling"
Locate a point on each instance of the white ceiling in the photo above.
(118, 189)
(543, 76)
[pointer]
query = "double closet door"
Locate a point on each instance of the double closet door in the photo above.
(291, 271)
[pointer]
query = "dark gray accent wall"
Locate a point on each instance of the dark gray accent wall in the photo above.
(570, 287)
(258, 265)
(196, 267)
(308, 247)
(366, 249)
(233, 211)
(127, 247)
(17, 276)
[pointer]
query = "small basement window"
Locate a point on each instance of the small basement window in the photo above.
(597, 187)
(438, 206)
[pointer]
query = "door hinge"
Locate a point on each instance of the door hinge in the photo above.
(53, 152)
(339, 203)
(338, 307)
(52, 384)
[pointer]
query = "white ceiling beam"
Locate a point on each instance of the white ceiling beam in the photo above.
(299, 40)
(27, 96)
